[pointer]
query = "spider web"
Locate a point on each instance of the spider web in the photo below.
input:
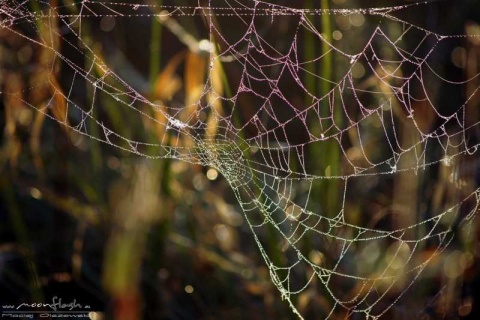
(379, 117)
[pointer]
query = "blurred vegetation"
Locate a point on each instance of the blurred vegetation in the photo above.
(164, 239)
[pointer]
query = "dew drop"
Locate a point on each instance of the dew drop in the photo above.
(447, 161)
(300, 257)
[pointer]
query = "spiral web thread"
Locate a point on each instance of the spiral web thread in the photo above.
(264, 153)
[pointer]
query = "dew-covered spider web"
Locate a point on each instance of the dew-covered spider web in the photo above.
(306, 112)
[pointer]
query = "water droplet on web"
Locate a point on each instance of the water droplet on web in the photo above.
(177, 123)
(447, 161)
(135, 7)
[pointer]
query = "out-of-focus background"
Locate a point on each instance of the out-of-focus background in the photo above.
(164, 239)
